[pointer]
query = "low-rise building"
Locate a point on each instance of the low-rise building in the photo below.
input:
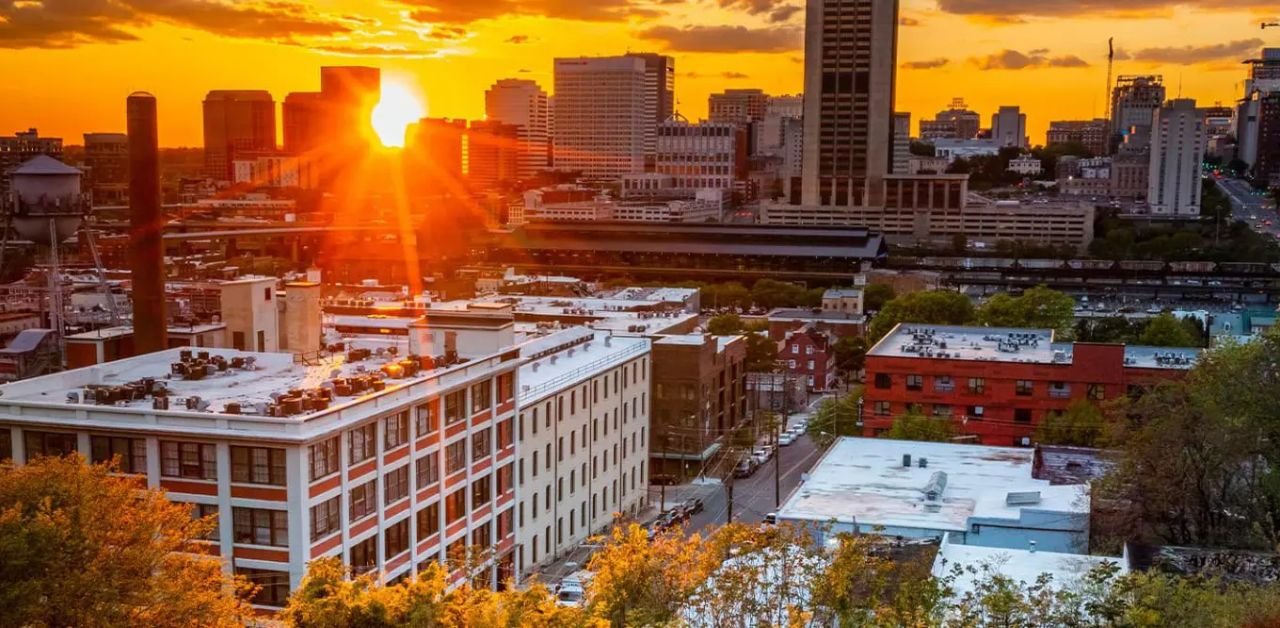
(699, 399)
(974, 495)
(997, 384)
(845, 300)
(1026, 165)
(809, 354)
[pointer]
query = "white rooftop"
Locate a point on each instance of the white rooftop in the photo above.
(841, 293)
(565, 357)
(1019, 565)
(863, 481)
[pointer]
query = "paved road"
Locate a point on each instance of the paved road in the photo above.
(1245, 206)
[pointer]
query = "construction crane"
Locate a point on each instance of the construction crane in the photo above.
(1111, 59)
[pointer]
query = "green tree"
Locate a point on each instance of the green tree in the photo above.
(725, 325)
(937, 307)
(1116, 329)
(762, 353)
(836, 416)
(851, 354)
(915, 426)
(876, 295)
(1037, 308)
(82, 547)
(1082, 425)
(1165, 330)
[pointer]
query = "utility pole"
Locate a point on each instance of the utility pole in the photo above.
(729, 498)
(777, 458)
(663, 487)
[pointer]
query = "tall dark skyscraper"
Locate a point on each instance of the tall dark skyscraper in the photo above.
(237, 124)
(303, 115)
(850, 53)
(349, 93)
(146, 223)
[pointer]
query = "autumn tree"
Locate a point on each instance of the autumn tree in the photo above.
(80, 546)
(641, 581)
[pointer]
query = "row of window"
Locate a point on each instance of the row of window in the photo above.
(362, 442)
(978, 385)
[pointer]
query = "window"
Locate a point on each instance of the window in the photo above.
(915, 382)
(6, 444)
(881, 408)
(188, 460)
(324, 458)
(883, 380)
(259, 526)
(396, 539)
(504, 478)
(1097, 392)
(426, 420)
(257, 465)
(455, 406)
(395, 430)
(506, 387)
(941, 410)
(428, 521)
(480, 445)
(976, 412)
(48, 444)
(505, 521)
(273, 586)
(427, 471)
(943, 383)
(364, 555)
(396, 487)
(455, 456)
(482, 536)
(1023, 387)
(1022, 415)
(481, 492)
(1059, 390)
(363, 444)
(481, 397)
(210, 512)
(131, 452)
(326, 518)
(455, 506)
(977, 385)
(364, 500)
(505, 436)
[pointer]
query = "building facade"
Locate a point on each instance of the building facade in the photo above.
(605, 115)
(1009, 127)
(737, 106)
(705, 155)
(493, 154)
(106, 158)
(16, 149)
(956, 122)
(809, 354)
(850, 64)
(524, 104)
(237, 124)
(1177, 150)
(699, 399)
(1134, 102)
(435, 153)
(1094, 135)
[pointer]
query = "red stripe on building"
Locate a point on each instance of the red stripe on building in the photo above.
(364, 526)
(258, 492)
(429, 492)
(431, 545)
(396, 509)
(256, 553)
(395, 455)
(324, 546)
(362, 469)
(325, 485)
(193, 488)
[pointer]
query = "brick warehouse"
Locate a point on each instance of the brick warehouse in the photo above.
(999, 384)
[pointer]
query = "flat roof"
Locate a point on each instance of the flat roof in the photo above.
(1020, 565)
(581, 355)
(1004, 344)
(810, 314)
(863, 481)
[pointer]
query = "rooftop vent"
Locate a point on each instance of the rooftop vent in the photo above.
(937, 483)
(1022, 498)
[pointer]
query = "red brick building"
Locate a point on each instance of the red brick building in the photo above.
(999, 384)
(810, 355)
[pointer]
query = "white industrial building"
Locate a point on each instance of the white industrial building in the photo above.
(1177, 150)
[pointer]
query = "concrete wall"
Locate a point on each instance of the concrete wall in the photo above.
(250, 312)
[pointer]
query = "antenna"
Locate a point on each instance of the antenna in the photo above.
(1111, 60)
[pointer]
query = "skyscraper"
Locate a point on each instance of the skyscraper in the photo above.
(1177, 147)
(493, 152)
(434, 151)
(1261, 90)
(740, 106)
(1133, 104)
(849, 62)
(1009, 127)
(523, 103)
(661, 73)
(237, 123)
(901, 142)
(605, 125)
(303, 114)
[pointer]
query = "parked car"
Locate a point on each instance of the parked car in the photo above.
(745, 468)
(572, 590)
(692, 506)
(771, 519)
(786, 438)
(762, 454)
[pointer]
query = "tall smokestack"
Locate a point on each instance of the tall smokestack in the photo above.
(150, 332)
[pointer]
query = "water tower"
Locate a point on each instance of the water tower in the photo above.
(45, 206)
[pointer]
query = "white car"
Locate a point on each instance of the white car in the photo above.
(786, 439)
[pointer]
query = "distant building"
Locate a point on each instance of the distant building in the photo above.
(303, 122)
(901, 142)
(738, 106)
(965, 149)
(848, 117)
(1266, 164)
(1094, 135)
(1085, 177)
(927, 165)
(1026, 165)
(1259, 90)
(1134, 102)
(18, 148)
(1130, 175)
(809, 354)
(1009, 127)
(106, 158)
(699, 399)
(524, 104)
(702, 155)
(279, 171)
(1177, 150)
(493, 154)
(956, 122)
(237, 124)
(435, 151)
(769, 136)
(605, 115)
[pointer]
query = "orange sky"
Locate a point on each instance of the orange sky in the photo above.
(68, 64)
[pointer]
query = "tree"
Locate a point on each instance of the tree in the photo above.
(643, 581)
(725, 325)
(1037, 308)
(762, 353)
(1115, 329)
(876, 295)
(1166, 330)
(851, 354)
(938, 307)
(915, 426)
(82, 547)
(834, 417)
(1082, 425)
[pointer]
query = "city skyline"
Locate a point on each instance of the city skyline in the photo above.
(1052, 66)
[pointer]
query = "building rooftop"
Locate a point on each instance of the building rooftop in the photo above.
(842, 293)
(863, 481)
(813, 314)
(563, 358)
(1001, 344)
(1020, 565)
(44, 164)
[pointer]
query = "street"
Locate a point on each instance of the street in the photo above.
(1249, 207)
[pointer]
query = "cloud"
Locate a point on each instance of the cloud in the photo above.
(1014, 60)
(726, 38)
(467, 11)
(925, 64)
(71, 23)
(1189, 55)
(733, 76)
(518, 39)
(999, 10)
(783, 13)
(372, 50)
(445, 31)
(908, 21)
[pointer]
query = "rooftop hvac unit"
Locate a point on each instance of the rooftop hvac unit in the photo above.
(1022, 498)
(160, 403)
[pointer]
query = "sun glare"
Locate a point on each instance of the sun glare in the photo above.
(398, 108)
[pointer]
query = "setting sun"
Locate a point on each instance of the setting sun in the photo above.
(398, 108)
